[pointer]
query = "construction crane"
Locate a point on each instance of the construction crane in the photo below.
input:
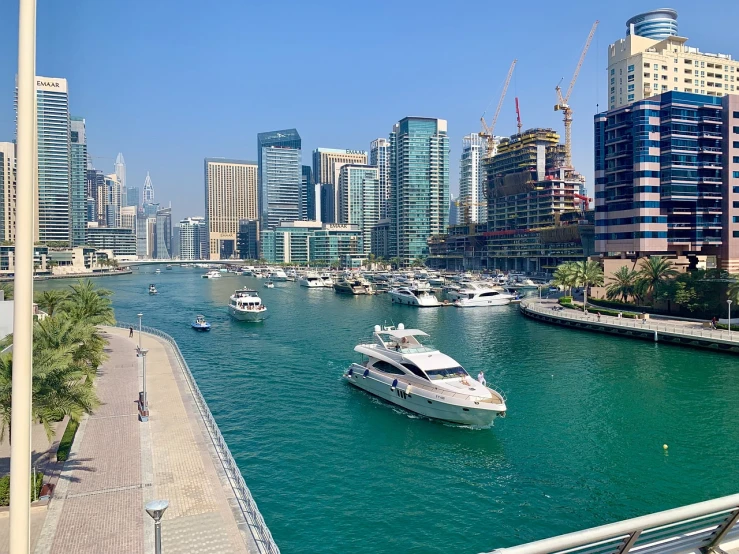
(518, 118)
(488, 130)
(466, 211)
(562, 103)
(585, 202)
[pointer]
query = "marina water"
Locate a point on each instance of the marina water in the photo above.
(335, 470)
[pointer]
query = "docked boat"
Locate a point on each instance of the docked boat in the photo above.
(413, 296)
(400, 369)
(291, 275)
(269, 284)
(351, 285)
(485, 297)
(311, 280)
(212, 275)
(278, 275)
(327, 281)
(245, 305)
(153, 289)
(200, 324)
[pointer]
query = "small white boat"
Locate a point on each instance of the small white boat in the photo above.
(169, 266)
(278, 275)
(158, 271)
(327, 281)
(245, 305)
(402, 370)
(481, 298)
(153, 289)
(269, 284)
(413, 297)
(212, 275)
(312, 280)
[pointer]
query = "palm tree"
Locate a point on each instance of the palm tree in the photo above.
(587, 273)
(419, 262)
(61, 332)
(89, 304)
(50, 300)
(622, 284)
(653, 271)
(733, 290)
(564, 276)
(7, 288)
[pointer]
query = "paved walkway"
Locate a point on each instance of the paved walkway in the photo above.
(117, 464)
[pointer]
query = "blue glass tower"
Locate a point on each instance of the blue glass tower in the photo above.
(279, 177)
(79, 181)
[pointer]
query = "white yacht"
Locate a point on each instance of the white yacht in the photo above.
(311, 280)
(212, 275)
(353, 285)
(484, 297)
(398, 368)
(291, 275)
(245, 305)
(328, 282)
(413, 297)
(277, 275)
(465, 288)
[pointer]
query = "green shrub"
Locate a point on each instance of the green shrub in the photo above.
(5, 488)
(565, 299)
(65, 444)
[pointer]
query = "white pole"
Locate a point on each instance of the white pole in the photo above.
(20, 426)
(729, 322)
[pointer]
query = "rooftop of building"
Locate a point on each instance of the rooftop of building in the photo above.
(283, 134)
(229, 161)
(340, 151)
(669, 97)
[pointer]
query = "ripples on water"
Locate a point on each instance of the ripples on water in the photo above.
(335, 470)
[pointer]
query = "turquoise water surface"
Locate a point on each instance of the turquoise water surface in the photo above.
(335, 470)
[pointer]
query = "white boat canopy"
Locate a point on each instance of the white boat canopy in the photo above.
(402, 333)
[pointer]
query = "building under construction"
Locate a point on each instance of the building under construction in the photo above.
(537, 214)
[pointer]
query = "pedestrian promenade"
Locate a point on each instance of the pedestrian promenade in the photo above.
(118, 463)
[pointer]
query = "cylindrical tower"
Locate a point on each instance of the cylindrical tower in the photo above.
(656, 24)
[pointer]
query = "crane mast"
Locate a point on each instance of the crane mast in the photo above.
(488, 130)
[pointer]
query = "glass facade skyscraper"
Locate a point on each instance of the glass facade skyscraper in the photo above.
(359, 200)
(279, 177)
(380, 158)
(78, 139)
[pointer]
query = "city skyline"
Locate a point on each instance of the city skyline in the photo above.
(173, 146)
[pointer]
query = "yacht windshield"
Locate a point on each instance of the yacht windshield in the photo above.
(446, 373)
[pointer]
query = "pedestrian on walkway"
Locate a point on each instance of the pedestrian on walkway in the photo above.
(713, 322)
(130, 332)
(598, 316)
(620, 315)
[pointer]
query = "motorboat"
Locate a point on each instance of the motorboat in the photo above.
(278, 275)
(158, 271)
(327, 281)
(311, 280)
(413, 296)
(269, 284)
(153, 289)
(212, 275)
(485, 297)
(291, 275)
(465, 288)
(353, 285)
(245, 305)
(399, 368)
(200, 324)
(169, 266)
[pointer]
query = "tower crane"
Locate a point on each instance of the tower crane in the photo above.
(518, 118)
(488, 130)
(563, 104)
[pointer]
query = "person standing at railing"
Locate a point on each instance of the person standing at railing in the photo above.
(481, 379)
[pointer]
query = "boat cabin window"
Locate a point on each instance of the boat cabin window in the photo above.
(415, 370)
(447, 373)
(493, 293)
(385, 367)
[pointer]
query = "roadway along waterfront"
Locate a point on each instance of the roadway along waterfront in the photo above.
(334, 470)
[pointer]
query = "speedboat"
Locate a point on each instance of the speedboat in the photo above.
(158, 271)
(200, 324)
(399, 368)
(350, 285)
(245, 305)
(311, 280)
(169, 266)
(153, 289)
(212, 275)
(269, 284)
(278, 275)
(484, 297)
(413, 297)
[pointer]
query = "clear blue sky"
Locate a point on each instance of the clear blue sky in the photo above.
(169, 83)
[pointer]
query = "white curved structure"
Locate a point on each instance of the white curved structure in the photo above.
(401, 370)
(483, 298)
(312, 280)
(245, 305)
(413, 297)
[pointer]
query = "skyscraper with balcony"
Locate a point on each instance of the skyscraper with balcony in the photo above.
(193, 239)
(380, 158)
(163, 234)
(279, 177)
(359, 201)
(78, 195)
(7, 191)
(667, 178)
(230, 195)
(472, 178)
(419, 163)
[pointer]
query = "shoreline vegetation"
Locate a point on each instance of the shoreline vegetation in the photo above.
(108, 273)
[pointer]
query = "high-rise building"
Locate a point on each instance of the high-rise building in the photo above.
(121, 241)
(230, 195)
(326, 165)
(311, 241)
(53, 205)
(652, 60)
(279, 176)
(307, 194)
(247, 239)
(7, 191)
(359, 200)
(380, 158)
(193, 239)
(128, 218)
(78, 188)
(148, 189)
(328, 203)
(674, 190)
(95, 196)
(132, 196)
(112, 201)
(472, 178)
(176, 242)
(420, 184)
(454, 210)
(163, 234)
(150, 209)
(120, 172)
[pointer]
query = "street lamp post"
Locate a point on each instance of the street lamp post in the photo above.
(156, 509)
(729, 322)
(143, 401)
(140, 316)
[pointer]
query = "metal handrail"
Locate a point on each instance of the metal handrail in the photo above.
(703, 526)
(261, 533)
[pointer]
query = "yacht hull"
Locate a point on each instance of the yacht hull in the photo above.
(414, 301)
(251, 315)
(310, 284)
(436, 405)
(482, 302)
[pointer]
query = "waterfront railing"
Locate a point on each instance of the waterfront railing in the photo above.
(706, 527)
(259, 530)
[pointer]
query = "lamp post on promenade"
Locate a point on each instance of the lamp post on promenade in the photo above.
(156, 509)
(143, 402)
(729, 322)
(140, 316)
(20, 426)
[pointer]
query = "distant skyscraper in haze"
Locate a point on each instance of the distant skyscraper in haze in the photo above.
(163, 233)
(112, 201)
(53, 213)
(230, 195)
(472, 178)
(78, 195)
(96, 196)
(132, 196)
(120, 171)
(420, 185)
(148, 189)
(380, 158)
(7, 191)
(279, 177)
